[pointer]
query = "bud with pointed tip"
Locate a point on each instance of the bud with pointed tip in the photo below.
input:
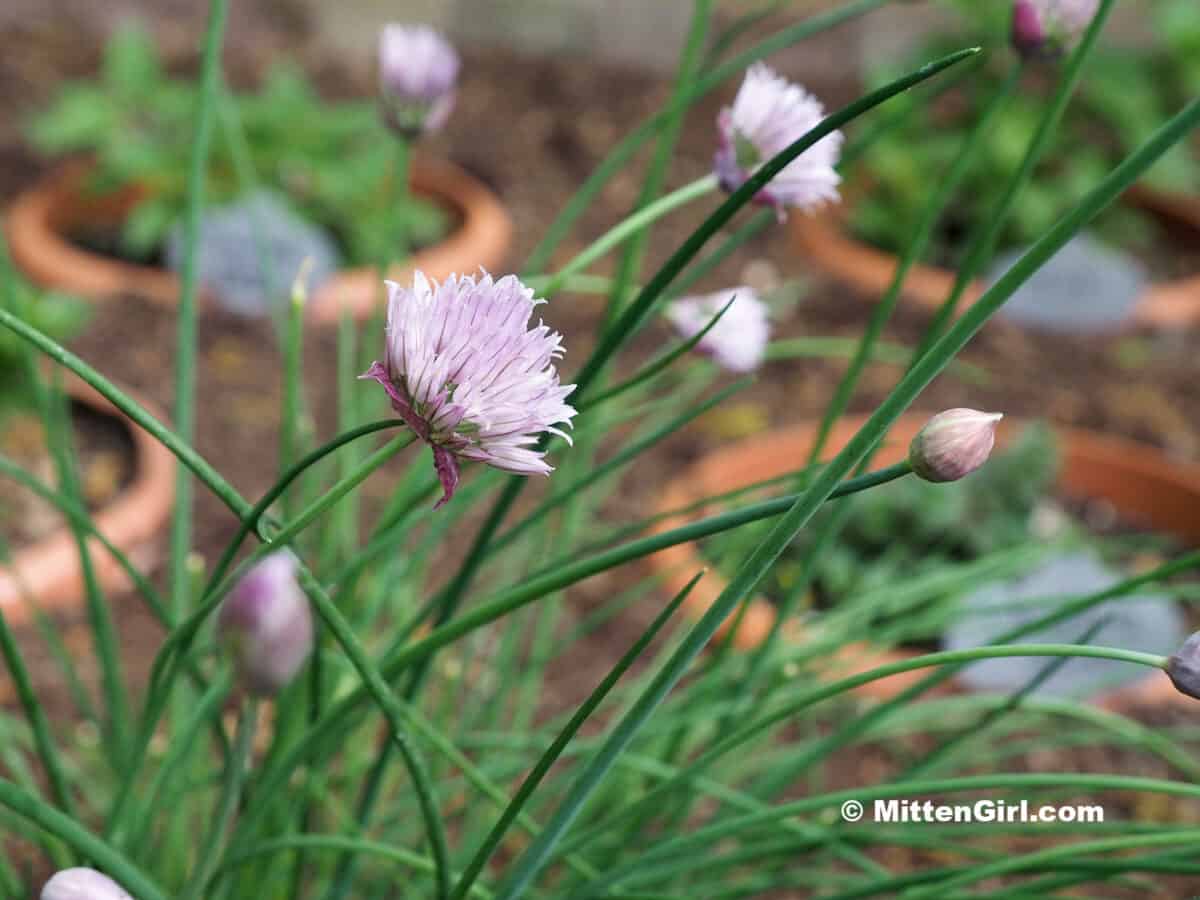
(418, 72)
(83, 884)
(267, 621)
(1183, 667)
(1047, 28)
(953, 444)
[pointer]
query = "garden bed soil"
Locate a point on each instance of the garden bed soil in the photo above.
(533, 129)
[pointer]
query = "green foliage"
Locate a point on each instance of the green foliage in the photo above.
(333, 160)
(670, 773)
(911, 529)
(1125, 93)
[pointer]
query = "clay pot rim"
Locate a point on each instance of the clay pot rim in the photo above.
(752, 459)
(49, 568)
(1165, 304)
(35, 223)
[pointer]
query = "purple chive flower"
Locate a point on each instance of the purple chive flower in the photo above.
(469, 376)
(418, 70)
(953, 444)
(738, 342)
(768, 114)
(1047, 28)
(82, 884)
(267, 620)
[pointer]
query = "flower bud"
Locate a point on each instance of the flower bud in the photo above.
(418, 70)
(1047, 28)
(952, 444)
(1183, 667)
(1028, 34)
(267, 621)
(82, 884)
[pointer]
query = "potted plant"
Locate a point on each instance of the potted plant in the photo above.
(126, 480)
(1126, 89)
(316, 174)
(994, 527)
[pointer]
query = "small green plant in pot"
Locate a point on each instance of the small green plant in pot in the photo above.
(1152, 239)
(1123, 95)
(291, 175)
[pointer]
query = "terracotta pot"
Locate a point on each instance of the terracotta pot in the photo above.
(48, 572)
(1138, 480)
(40, 220)
(826, 244)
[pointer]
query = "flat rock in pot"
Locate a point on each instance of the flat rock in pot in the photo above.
(250, 251)
(1150, 623)
(1087, 287)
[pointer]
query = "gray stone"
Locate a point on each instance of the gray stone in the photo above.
(1087, 287)
(1150, 623)
(249, 253)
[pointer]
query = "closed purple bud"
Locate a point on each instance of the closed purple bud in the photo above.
(267, 621)
(953, 444)
(1183, 667)
(418, 71)
(1028, 33)
(83, 884)
(1047, 28)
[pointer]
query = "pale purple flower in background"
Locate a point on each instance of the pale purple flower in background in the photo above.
(82, 884)
(768, 114)
(466, 372)
(1049, 27)
(267, 620)
(418, 71)
(738, 341)
(953, 444)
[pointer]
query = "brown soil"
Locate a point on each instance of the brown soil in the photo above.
(533, 129)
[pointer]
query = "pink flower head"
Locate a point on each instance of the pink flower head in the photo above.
(418, 71)
(953, 444)
(82, 884)
(1047, 28)
(768, 114)
(469, 376)
(267, 620)
(738, 341)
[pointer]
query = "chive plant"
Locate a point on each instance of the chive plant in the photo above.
(352, 701)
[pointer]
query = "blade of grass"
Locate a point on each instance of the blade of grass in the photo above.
(80, 840)
(535, 776)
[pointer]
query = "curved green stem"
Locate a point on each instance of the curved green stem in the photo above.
(79, 839)
(181, 449)
(185, 345)
(553, 577)
(231, 789)
(333, 842)
(251, 519)
(625, 230)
